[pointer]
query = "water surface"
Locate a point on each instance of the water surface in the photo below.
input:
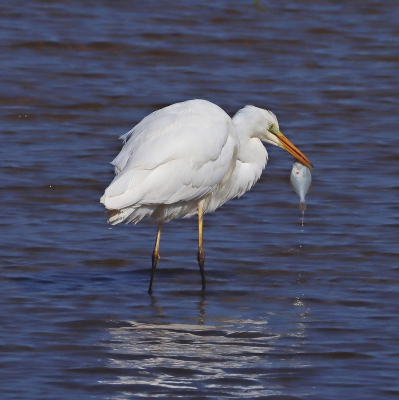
(289, 312)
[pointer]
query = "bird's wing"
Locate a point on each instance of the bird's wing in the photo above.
(179, 153)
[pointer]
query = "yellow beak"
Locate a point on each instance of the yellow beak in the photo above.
(287, 145)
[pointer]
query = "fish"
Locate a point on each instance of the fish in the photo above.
(301, 180)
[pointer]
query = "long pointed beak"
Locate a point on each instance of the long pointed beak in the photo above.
(287, 145)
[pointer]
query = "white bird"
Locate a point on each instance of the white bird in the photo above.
(190, 158)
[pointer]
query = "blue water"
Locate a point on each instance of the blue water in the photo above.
(289, 312)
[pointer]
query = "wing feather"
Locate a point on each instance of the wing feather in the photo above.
(179, 153)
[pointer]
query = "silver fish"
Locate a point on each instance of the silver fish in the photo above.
(301, 180)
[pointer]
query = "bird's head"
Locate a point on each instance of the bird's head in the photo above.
(271, 134)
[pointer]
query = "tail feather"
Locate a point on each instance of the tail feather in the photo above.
(118, 216)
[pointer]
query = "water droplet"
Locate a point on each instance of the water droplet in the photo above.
(303, 217)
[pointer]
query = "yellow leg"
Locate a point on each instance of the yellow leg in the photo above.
(201, 255)
(155, 256)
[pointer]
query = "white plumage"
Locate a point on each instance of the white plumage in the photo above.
(187, 156)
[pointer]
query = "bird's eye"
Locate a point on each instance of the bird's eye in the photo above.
(272, 128)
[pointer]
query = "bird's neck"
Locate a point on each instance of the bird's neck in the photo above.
(248, 164)
(251, 157)
(248, 123)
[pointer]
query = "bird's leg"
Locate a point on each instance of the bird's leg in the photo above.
(155, 256)
(201, 255)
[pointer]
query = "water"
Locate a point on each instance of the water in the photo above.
(275, 322)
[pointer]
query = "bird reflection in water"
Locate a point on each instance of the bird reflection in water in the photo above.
(160, 317)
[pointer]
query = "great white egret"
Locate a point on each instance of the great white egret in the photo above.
(190, 158)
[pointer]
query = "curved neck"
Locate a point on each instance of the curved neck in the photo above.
(249, 123)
